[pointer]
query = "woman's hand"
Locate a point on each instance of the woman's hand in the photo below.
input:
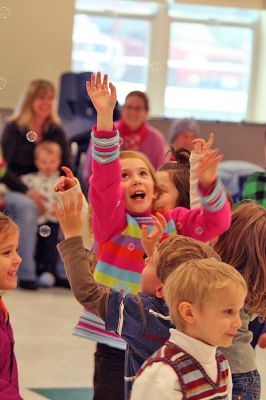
(207, 171)
(150, 240)
(103, 100)
(69, 214)
(65, 182)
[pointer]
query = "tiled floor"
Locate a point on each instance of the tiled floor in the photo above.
(48, 355)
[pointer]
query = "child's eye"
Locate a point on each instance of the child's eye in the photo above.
(124, 176)
(229, 311)
(143, 173)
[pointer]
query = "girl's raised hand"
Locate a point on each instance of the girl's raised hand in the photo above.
(200, 146)
(150, 240)
(69, 214)
(65, 182)
(102, 95)
(207, 171)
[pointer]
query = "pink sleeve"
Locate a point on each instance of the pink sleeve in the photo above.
(105, 194)
(208, 221)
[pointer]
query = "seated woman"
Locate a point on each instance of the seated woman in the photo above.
(34, 122)
(136, 133)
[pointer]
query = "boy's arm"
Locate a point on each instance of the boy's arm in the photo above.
(79, 267)
(158, 381)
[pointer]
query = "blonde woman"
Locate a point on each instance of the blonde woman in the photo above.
(34, 121)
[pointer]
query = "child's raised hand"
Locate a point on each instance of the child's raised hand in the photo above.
(69, 214)
(65, 182)
(102, 98)
(200, 146)
(150, 240)
(207, 171)
(262, 341)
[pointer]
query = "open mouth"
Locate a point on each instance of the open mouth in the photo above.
(139, 195)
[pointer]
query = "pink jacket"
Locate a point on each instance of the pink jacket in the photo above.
(109, 216)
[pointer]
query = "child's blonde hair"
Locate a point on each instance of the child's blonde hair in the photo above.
(176, 250)
(51, 148)
(243, 245)
(24, 113)
(7, 227)
(194, 281)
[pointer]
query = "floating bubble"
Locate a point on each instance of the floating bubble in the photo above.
(131, 247)
(155, 66)
(89, 112)
(44, 231)
(118, 203)
(2, 82)
(199, 230)
(5, 12)
(31, 136)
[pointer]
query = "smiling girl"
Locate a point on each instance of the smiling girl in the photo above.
(9, 264)
(122, 192)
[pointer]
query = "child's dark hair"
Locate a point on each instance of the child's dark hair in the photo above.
(243, 245)
(178, 169)
(7, 227)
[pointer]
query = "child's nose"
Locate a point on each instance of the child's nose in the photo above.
(238, 322)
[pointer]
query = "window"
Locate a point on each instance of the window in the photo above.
(116, 45)
(208, 71)
(209, 63)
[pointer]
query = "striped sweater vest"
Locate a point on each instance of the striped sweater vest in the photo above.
(194, 381)
(119, 266)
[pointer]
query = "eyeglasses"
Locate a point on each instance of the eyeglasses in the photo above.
(134, 108)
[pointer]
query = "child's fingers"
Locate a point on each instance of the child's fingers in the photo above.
(98, 80)
(58, 211)
(113, 89)
(105, 81)
(79, 202)
(162, 220)
(144, 232)
(210, 141)
(68, 172)
(64, 202)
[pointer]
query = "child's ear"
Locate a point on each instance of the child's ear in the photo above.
(159, 292)
(186, 311)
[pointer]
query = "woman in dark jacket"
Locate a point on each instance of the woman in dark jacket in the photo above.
(35, 121)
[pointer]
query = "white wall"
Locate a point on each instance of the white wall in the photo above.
(36, 41)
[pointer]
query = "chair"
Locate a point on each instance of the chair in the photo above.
(234, 174)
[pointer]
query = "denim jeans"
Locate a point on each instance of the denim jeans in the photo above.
(246, 386)
(24, 212)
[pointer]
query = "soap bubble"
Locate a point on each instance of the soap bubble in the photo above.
(44, 230)
(31, 136)
(155, 66)
(5, 12)
(131, 247)
(2, 82)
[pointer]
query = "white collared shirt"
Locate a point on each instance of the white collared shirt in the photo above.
(159, 380)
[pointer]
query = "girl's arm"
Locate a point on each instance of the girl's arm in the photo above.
(109, 216)
(199, 148)
(214, 216)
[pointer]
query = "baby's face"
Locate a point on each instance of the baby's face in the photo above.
(47, 164)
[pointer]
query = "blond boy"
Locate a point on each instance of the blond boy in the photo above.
(204, 298)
